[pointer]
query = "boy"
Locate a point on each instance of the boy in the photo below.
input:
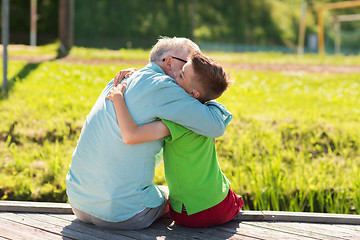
(200, 194)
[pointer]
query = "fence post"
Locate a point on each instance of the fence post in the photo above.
(302, 29)
(33, 20)
(5, 41)
(66, 12)
(320, 31)
(337, 28)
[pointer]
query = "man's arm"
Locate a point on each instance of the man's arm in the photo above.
(130, 131)
(171, 102)
(174, 104)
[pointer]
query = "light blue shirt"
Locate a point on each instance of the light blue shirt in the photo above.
(113, 181)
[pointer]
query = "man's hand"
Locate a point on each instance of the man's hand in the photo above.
(118, 91)
(123, 74)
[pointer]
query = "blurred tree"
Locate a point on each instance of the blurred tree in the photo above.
(47, 25)
(138, 23)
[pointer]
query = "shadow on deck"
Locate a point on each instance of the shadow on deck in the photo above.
(37, 220)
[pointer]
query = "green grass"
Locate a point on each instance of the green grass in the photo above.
(283, 58)
(41, 121)
(292, 145)
(121, 54)
(228, 57)
(25, 50)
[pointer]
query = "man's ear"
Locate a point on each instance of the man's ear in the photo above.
(167, 62)
(195, 94)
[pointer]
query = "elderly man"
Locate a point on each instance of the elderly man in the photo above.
(109, 183)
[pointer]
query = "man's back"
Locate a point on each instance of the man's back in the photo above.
(108, 178)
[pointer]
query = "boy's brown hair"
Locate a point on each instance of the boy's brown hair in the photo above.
(210, 76)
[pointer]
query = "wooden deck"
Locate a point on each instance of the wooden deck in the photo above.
(31, 220)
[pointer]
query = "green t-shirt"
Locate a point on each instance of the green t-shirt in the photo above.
(192, 170)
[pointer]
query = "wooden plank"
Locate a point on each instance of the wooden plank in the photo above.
(247, 225)
(209, 233)
(319, 231)
(352, 227)
(139, 234)
(14, 230)
(157, 230)
(4, 238)
(69, 226)
(206, 233)
(167, 225)
(144, 234)
(48, 207)
(334, 230)
(162, 231)
(73, 228)
(35, 207)
(274, 216)
(69, 217)
(48, 227)
(164, 225)
(243, 229)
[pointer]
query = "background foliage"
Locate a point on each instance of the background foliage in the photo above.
(138, 23)
(293, 144)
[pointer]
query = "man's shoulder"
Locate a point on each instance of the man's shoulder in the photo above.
(157, 76)
(162, 82)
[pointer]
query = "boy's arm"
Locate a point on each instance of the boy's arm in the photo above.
(130, 131)
(123, 74)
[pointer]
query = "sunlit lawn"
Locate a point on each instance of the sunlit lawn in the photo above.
(228, 57)
(292, 145)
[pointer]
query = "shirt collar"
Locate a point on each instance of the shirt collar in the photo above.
(156, 68)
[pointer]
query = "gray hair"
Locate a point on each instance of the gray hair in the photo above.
(166, 46)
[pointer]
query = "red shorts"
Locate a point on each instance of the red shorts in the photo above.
(219, 214)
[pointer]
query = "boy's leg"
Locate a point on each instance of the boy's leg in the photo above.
(141, 220)
(219, 214)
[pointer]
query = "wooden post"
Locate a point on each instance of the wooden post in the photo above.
(33, 20)
(337, 35)
(337, 28)
(5, 41)
(302, 29)
(342, 5)
(330, 6)
(66, 11)
(320, 31)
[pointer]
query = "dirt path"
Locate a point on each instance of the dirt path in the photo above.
(237, 66)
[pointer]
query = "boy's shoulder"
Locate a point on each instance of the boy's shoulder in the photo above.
(177, 131)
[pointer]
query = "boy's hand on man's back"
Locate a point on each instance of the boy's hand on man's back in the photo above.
(123, 74)
(117, 92)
